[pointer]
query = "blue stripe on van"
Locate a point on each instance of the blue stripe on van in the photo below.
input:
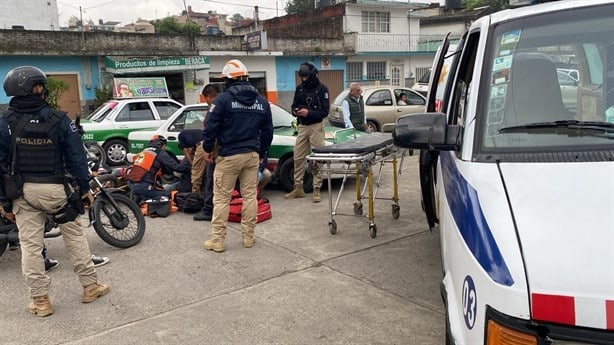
(465, 207)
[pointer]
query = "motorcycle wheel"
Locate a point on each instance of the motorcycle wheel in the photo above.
(127, 236)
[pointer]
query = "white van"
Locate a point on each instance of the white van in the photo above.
(422, 85)
(520, 183)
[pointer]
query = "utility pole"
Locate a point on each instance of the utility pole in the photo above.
(81, 19)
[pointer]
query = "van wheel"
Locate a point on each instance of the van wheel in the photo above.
(115, 151)
(371, 126)
(286, 177)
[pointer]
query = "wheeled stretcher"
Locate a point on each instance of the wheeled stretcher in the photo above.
(357, 157)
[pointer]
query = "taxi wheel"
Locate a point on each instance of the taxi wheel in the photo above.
(115, 151)
(286, 177)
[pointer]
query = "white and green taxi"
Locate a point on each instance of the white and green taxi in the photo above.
(280, 162)
(110, 124)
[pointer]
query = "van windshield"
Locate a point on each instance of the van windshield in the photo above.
(425, 77)
(547, 79)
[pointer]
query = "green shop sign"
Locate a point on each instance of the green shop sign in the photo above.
(152, 65)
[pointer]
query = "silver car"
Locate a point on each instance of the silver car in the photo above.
(381, 106)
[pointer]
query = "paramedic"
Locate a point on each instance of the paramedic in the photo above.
(207, 169)
(48, 148)
(310, 106)
(145, 176)
(241, 122)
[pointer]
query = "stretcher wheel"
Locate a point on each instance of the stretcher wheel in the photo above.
(332, 227)
(358, 208)
(396, 211)
(372, 230)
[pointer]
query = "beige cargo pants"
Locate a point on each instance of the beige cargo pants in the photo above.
(48, 198)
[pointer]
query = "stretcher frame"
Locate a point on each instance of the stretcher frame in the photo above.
(378, 150)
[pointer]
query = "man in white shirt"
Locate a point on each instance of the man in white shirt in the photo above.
(353, 109)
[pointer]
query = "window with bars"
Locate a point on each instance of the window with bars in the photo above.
(375, 21)
(354, 70)
(376, 70)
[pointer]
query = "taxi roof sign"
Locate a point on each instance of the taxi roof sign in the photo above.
(139, 87)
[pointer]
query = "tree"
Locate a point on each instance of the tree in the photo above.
(494, 5)
(170, 25)
(299, 6)
(55, 88)
(236, 18)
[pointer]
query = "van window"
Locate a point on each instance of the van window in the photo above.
(523, 102)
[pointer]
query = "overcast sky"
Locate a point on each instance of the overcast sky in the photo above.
(126, 11)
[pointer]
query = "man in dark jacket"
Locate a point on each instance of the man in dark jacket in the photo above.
(241, 121)
(310, 106)
(145, 176)
(41, 145)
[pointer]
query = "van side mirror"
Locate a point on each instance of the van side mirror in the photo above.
(426, 131)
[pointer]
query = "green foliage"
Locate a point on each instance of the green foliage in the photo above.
(299, 6)
(236, 18)
(495, 5)
(102, 95)
(170, 25)
(56, 88)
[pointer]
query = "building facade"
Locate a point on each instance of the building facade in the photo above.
(41, 14)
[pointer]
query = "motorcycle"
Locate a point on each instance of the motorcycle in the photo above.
(116, 218)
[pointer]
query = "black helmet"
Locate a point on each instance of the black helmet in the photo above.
(157, 141)
(20, 80)
(307, 69)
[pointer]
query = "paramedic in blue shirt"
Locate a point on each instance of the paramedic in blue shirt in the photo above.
(353, 109)
(240, 120)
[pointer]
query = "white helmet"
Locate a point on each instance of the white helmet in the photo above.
(234, 69)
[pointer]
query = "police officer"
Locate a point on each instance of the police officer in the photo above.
(240, 120)
(40, 145)
(310, 106)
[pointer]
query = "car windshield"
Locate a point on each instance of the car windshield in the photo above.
(425, 77)
(102, 111)
(281, 118)
(530, 97)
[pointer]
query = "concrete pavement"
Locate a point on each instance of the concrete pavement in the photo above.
(298, 285)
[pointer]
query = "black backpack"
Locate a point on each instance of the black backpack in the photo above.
(189, 202)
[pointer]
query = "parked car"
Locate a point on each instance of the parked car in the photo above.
(381, 107)
(110, 124)
(280, 161)
(569, 89)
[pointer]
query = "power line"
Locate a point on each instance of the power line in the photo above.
(235, 4)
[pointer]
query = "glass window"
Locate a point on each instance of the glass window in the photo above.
(380, 97)
(166, 109)
(375, 21)
(529, 85)
(414, 99)
(354, 70)
(138, 111)
(376, 70)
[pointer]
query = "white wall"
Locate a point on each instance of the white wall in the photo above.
(398, 18)
(31, 14)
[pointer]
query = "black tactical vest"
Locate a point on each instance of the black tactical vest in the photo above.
(38, 151)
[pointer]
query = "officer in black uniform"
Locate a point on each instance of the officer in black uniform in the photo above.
(38, 147)
(310, 106)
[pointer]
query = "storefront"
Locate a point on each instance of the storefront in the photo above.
(185, 75)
